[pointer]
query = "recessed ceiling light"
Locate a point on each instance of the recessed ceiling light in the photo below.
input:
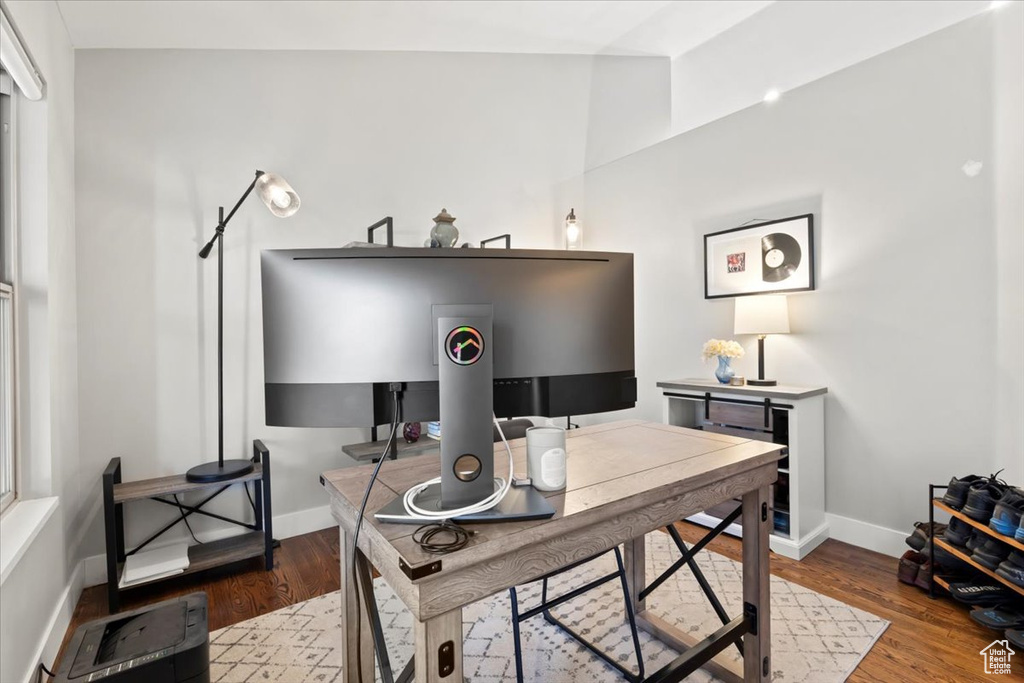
(772, 95)
(996, 4)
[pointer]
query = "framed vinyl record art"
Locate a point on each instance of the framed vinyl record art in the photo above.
(764, 258)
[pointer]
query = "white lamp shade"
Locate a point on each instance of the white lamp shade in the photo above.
(277, 194)
(766, 314)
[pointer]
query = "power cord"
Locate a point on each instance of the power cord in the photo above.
(426, 537)
(502, 486)
(396, 392)
(42, 670)
(184, 518)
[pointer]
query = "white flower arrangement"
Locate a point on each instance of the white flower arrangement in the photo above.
(720, 347)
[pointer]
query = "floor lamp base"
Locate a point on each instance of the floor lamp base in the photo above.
(215, 471)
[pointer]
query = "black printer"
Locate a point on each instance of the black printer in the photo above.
(163, 643)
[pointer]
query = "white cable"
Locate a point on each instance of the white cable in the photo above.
(502, 486)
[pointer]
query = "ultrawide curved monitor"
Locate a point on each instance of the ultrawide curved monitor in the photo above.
(341, 325)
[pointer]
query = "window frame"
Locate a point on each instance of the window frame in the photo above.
(8, 282)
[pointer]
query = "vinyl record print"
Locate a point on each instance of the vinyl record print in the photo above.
(780, 256)
(786, 264)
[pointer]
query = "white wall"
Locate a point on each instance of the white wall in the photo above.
(903, 325)
(48, 355)
(629, 106)
(165, 136)
(1008, 170)
(30, 596)
(793, 42)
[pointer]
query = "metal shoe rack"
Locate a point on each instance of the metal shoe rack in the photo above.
(937, 504)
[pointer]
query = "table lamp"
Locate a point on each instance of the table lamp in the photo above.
(282, 201)
(761, 315)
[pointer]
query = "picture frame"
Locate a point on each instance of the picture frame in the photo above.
(770, 257)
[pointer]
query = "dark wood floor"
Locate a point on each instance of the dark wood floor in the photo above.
(929, 640)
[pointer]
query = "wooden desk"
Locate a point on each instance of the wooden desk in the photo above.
(625, 479)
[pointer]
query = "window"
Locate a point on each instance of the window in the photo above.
(8, 488)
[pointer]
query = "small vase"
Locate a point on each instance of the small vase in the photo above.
(724, 372)
(411, 432)
(444, 231)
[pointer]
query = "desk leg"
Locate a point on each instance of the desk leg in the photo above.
(757, 522)
(439, 649)
(634, 559)
(355, 648)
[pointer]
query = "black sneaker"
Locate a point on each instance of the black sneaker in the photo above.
(1007, 512)
(974, 539)
(1011, 572)
(957, 532)
(990, 553)
(1016, 557)
(943, 557)
(956, 493)
(922, 533)
(981, 500)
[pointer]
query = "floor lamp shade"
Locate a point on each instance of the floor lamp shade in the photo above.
(761, 315)
(277, 194)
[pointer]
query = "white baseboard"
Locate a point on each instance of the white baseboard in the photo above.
(94, 568)
(303, 522)
(798, 551)
(866, 535)
(49, 647)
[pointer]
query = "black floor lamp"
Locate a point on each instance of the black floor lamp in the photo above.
(282, 201)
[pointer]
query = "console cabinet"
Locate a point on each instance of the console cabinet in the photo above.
(786, 415)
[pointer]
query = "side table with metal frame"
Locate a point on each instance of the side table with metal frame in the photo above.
(257, 541)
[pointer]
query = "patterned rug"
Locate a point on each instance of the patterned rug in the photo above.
(815, 639)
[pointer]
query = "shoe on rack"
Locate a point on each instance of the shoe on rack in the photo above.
(981, 500)
(956, 492)
(909, 566)
(974, 539)
(957, 532)
(1000, 617)
(983, 592)
(1016, 637)
(1006, 516)
(1016, 557)
(922, 532)
(1013, 573)
(926, 574)
(990, 553)
(1019, 533)
(943, 558)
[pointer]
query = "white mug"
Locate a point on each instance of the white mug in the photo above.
(545, 457)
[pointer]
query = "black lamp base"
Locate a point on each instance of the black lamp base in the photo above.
(762, 382)
(215, 471)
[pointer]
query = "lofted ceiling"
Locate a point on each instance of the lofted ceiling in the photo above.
(616, 27)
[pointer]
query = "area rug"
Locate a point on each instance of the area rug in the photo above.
(815, 639)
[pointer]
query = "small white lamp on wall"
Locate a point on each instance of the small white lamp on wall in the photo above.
(573, 231)
(761, 315)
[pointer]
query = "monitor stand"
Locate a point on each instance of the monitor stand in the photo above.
(521, 503)
(465, 376)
